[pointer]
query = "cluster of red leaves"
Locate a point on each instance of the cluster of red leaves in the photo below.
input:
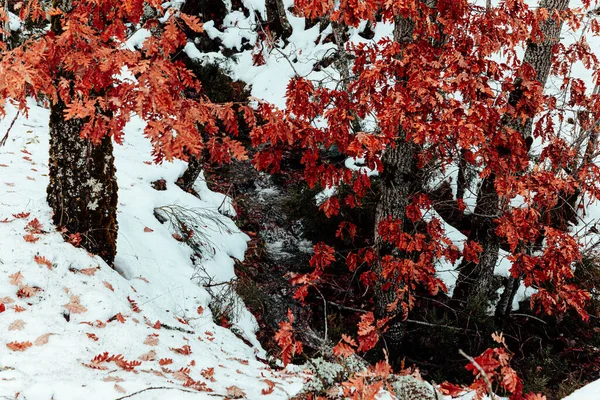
(439, 89)
(286, 340)
(495, 364)
(33, 228)
(90, 50)
(99, 361)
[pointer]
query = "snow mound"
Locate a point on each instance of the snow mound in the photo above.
(63, 309)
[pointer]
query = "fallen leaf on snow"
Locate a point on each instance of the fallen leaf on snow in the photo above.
(88, 271)
(19, 346)
(16, 278)
(120, 389)
(235, 392)
(74, 306)
(151, 340)
(43, 339)
(149, 356)
(17, 325)
(41, 260)
(113, 379)
(26, 291)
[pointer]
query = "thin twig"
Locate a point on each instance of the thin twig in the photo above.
(324, 311)
(156, 388)
(530, 316)
(3, 141)
(481, 371)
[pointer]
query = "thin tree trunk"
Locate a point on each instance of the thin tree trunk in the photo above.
(397, 184)
(191, 173)
(473, 284)
(83, 188)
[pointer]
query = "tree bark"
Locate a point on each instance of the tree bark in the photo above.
(474, 280)
(398, 182)
(277, 20)
(192, 172)
(399, 179)
(83, 188)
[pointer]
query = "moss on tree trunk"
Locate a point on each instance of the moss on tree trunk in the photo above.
(83, 188)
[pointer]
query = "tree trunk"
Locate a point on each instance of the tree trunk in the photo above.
(474, 279)
(397, 184)
(277, 20)
(192, 172)
(83, 188)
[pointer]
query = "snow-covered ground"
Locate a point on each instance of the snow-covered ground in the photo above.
(66, 308)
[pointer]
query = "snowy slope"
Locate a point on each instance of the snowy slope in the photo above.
(69, 316)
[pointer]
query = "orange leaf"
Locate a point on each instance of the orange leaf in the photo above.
(30, 238)
(19, 346)
(193, 22)
(41, 260)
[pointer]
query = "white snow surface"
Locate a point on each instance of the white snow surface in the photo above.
(152, 269)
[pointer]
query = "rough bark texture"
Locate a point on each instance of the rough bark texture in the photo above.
(398, 181)
(83, 188)
(277, 20)
(192, 172)
(474, 279)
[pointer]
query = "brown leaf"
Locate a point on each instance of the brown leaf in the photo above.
(113, 379)
(109, 286)
(16, 278)
(146, 229)
(120, 389)
(17, 325)
(149, 356)
(43, 339)
(41, 260)
(74, 306)
(235, 392)
(26, 291)
(151, 340)
(88, 271)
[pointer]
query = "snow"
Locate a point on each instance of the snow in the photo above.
(588, 392)
(152, 269)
